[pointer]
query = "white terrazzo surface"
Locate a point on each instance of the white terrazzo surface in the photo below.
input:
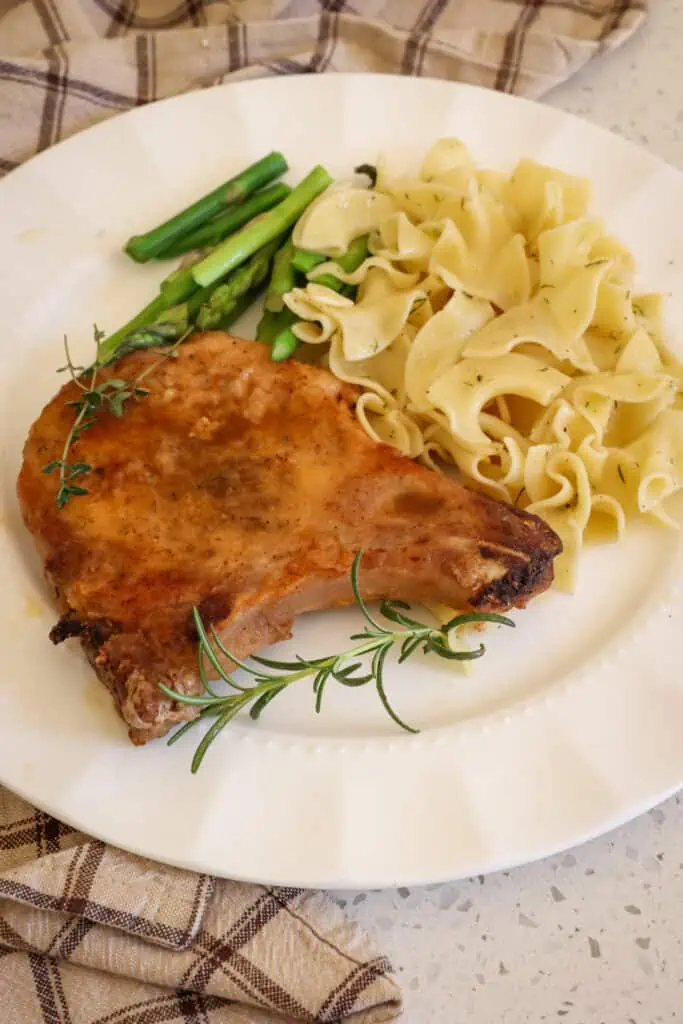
(594, 936)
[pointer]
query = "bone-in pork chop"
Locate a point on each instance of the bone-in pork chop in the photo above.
(246, 487)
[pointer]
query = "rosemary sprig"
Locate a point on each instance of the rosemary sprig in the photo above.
(346, 668)
(96, 396)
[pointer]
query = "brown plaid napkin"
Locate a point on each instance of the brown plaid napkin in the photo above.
(89, 934)
(65, 64)
(177, 948)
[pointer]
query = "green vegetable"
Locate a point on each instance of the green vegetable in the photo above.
(235, 217)
(284, 345)
(146, 316)
(149, 245)
(275, 330)
(346, 668)
(178, 286)
(174, 289)
(334, 284)
(307, 261)
(240, 246)
(356, 253)
(268, 326)
(247, 277)
(282, 279)
(236, 307)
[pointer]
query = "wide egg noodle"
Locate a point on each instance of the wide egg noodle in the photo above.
(370, 326)
(556, 318)
(639, 355)
(445, 157)
(424, 201)
(498, 473)
(607, 520)
(383, 373)
(438, 345)
(389, 426)
(560, 424)
(315, 306)
(558, 488)
(463, 391)
(366, 326)
(658, 455)
(544, 197)
(479, 252)
(619, 405)
(613, 313)
(621, 261)
(400, 240)
(565, 249)
(339, 215)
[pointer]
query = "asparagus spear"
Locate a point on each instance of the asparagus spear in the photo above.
(178, 286)
(240, 246)
(151, 336)
(271, 324)
(251, 274)
(348, 262)
(267, 327)
(275, 329)
(335, 285)
(145, 247)
(282, 279)
(234, 309)
(354, 255)
(235, 217)
(186, 313)
(278, 331)
(162, 319)
(284, 345)
(174, 289)
(142, 319)
(304, 260)
(175, 321)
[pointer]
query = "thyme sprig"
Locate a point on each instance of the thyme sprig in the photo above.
(346, 668)
(96, 396)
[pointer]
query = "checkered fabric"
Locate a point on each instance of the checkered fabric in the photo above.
(66, 64)
(92, 935)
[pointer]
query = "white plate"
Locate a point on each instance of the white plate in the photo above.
(568, 726)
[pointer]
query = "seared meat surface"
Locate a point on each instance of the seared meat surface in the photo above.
(245, 488)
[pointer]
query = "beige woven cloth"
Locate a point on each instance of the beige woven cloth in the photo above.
(177, 947)
(88, 934)
(65, 64)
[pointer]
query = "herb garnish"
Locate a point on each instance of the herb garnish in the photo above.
(345, 668)
(110, 394)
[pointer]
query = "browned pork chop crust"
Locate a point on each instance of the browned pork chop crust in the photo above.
(246, 487)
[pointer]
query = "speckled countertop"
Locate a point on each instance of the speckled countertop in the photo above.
(594, 936)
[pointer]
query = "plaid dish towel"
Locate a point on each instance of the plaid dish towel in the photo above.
(177, 947)
(89, 934)
(66, 64)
